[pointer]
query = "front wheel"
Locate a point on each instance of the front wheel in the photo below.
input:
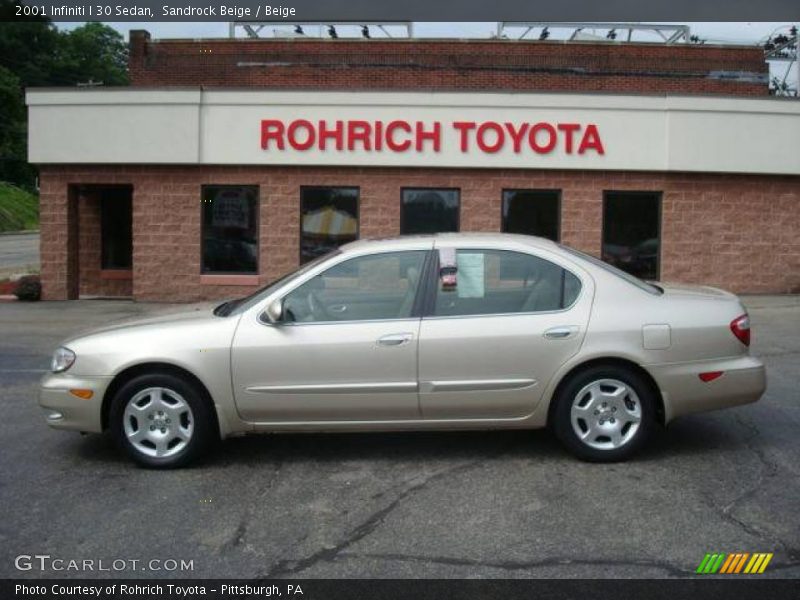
(161, 420)
(605, 414)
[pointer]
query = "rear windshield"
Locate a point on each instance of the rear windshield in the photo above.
(641, 284)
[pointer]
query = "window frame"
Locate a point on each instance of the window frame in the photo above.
(357, 188)
(257, 235)
(659, 196)
(558, 194)
(416, 307)
(433, 189)
(432, 286)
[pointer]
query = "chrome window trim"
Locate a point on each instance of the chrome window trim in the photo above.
(515, 314)
(349, 322)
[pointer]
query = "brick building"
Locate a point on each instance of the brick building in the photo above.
(230, 162)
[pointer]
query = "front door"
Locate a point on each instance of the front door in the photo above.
(496, 338)
(346, 351)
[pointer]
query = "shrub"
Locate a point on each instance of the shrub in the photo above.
(29, 288)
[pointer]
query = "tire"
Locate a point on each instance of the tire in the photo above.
(605, 414)
(162, 421)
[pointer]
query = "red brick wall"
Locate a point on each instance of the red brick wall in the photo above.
(739, 232)
(449, 65)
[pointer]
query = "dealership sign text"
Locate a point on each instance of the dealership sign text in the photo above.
(399, 135)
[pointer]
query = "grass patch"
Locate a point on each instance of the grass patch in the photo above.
(18, 209)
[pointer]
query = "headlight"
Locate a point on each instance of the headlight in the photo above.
(62, 360)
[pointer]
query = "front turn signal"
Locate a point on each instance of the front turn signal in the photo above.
(82, 394)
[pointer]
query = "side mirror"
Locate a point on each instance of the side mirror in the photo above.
(274, 311)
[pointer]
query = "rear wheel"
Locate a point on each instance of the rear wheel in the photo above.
(605, 413)
(161, 420)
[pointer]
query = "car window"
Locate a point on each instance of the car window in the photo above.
(502, 282)
(642, 285)
(379, 286)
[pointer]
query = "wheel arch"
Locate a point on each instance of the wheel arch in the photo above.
(150, 368)
(609, 361)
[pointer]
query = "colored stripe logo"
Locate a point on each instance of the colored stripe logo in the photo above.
(736, 563)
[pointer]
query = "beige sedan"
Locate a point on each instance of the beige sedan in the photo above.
(454, 331)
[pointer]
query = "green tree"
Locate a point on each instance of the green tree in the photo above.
(13, 160)
(93, 52)
(27, 48)
(35, 53)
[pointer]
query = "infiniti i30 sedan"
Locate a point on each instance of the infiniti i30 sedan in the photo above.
(453, 331)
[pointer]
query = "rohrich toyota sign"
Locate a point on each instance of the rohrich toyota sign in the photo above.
(413, 129)
(400, 135)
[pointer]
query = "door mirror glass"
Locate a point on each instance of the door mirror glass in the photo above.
(274, 312)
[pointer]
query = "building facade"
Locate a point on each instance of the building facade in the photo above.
(228, 163)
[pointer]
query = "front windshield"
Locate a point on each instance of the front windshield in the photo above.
(239, 305)
(642, 285)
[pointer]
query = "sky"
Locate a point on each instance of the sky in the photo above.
(720, 32)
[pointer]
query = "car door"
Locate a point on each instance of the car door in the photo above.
(345, 349)
(490, 344)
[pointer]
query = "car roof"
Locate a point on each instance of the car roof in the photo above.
(449, 239)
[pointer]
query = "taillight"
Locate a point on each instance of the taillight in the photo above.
(740, 327)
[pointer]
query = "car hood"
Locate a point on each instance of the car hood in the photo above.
(197, 312)
(684, 289)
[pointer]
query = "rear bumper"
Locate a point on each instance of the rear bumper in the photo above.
(62, 410)
(743, 381)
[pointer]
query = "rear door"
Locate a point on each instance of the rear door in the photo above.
(490, 344)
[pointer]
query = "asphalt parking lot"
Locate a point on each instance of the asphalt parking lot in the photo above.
(482, 504)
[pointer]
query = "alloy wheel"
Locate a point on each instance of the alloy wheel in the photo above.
(158, 422)
(606, 414)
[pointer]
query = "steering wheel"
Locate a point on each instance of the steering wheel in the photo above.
(316, 308)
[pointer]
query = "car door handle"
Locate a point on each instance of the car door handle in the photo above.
(561, 333)
(395, 339)
(338, 308)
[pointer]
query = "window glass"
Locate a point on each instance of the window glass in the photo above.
(328, 219)
(115, 226)
(428, 211)
(531, 212)
(631, 237)
(501, 282)
(230, 229)
(642, 285)
(379, 286)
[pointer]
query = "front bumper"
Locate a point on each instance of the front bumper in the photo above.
(743, 381)
(63, 410)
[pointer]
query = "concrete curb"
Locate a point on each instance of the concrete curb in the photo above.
(23, 232)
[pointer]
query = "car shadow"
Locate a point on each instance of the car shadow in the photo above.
(685, 437)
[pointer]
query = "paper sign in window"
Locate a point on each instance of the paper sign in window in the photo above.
(471, 282)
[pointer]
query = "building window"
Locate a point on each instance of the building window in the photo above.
(328, 219)
(492, 282)
(115, 228)
(429, 210)
(230, 229)
(631, 232)
(532, 212)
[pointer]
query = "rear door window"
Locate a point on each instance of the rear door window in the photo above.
(503, 282)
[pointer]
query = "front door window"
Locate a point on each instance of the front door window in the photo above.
(375, 287)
